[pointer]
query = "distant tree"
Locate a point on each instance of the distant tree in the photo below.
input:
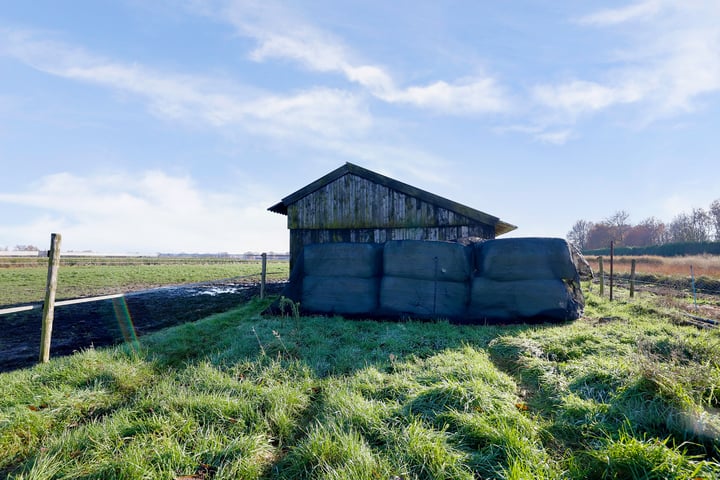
(578, 235)
(715, 218)
(618, 225)
(600, 236)
(26, 248)
(3, 249)
(691, 227)
(659, 234)
(639, 236)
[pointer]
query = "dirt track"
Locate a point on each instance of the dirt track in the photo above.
(102, 323)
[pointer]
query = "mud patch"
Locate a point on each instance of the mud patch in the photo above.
(109, 322)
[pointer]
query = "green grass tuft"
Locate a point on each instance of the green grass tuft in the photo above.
(624, 393)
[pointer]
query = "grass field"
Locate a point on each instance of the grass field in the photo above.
(23, 279)
(703, 265)
(668, 271)
(626, 392)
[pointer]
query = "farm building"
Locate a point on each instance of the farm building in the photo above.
(356, 205)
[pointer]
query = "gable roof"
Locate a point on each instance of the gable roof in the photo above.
(349, 168)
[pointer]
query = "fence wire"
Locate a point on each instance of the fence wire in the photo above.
(670, 284)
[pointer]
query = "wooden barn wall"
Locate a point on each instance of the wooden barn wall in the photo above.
(353, 202)
(301, 237)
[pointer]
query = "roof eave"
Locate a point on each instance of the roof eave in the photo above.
(349, 168)
(280, 208)
(503, 227)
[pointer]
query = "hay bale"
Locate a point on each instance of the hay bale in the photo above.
(423, 298)
(358, 260)
(523, 299)
(342, 295)
(525, 259)
(427, 260)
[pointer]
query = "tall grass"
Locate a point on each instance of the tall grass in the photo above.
(703, 265)
(238, 395)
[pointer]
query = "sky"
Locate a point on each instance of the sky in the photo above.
(172, 125)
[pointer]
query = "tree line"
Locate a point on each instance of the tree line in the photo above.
(698, 225)
(21, 248)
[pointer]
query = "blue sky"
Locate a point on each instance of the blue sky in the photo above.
(171, 126)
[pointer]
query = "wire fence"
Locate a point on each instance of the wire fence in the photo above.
(679, 285)
(675, 291)
(26, 284)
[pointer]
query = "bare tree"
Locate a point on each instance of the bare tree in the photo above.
(659, 234)
(715, 218)
(618, 225)
(578, 235)
(691, 227)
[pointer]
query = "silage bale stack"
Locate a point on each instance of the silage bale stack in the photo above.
(508, 280)
(425, 279)
(342, 278)
(525, 278)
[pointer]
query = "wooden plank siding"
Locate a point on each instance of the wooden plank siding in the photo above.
(355, 209)
(352, 202)
(301, 237)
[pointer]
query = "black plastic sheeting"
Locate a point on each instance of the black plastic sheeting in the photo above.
(425, 260)
(519, 279)
(491, 299)
(359, 260)
(525, 259)
(426, 298)
(341, 295)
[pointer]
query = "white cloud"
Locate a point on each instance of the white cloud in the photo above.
(282, 35)
(671, 58)
(325, 119)
(149, 212)
(578, 97)
(556, 138)
(637, 11)
(195, 99)
(469, 96)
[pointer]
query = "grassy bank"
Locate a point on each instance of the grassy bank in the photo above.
(84, 278)
(623, 393)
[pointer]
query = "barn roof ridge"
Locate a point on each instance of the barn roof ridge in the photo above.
(350, 168)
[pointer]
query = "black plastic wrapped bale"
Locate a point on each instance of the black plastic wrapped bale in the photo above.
(523, 299)
(342, 295)
(423, 298)
(525, 259)
(424, 260)
(359, 260)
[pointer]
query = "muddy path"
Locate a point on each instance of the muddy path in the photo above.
(112, 321)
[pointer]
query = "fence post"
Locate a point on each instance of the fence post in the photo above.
(692, 278)
(612, 254)
(602, 277)
(49, 304)
(632, 278)
(263, 273)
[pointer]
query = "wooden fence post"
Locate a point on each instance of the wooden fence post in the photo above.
(692, 279)
(632, 278)
(602, 276)
(263, 273)
(612, 254)
(49, 304)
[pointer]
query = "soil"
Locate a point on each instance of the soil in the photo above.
(103, 323)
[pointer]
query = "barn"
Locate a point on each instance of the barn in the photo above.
(356, 205)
